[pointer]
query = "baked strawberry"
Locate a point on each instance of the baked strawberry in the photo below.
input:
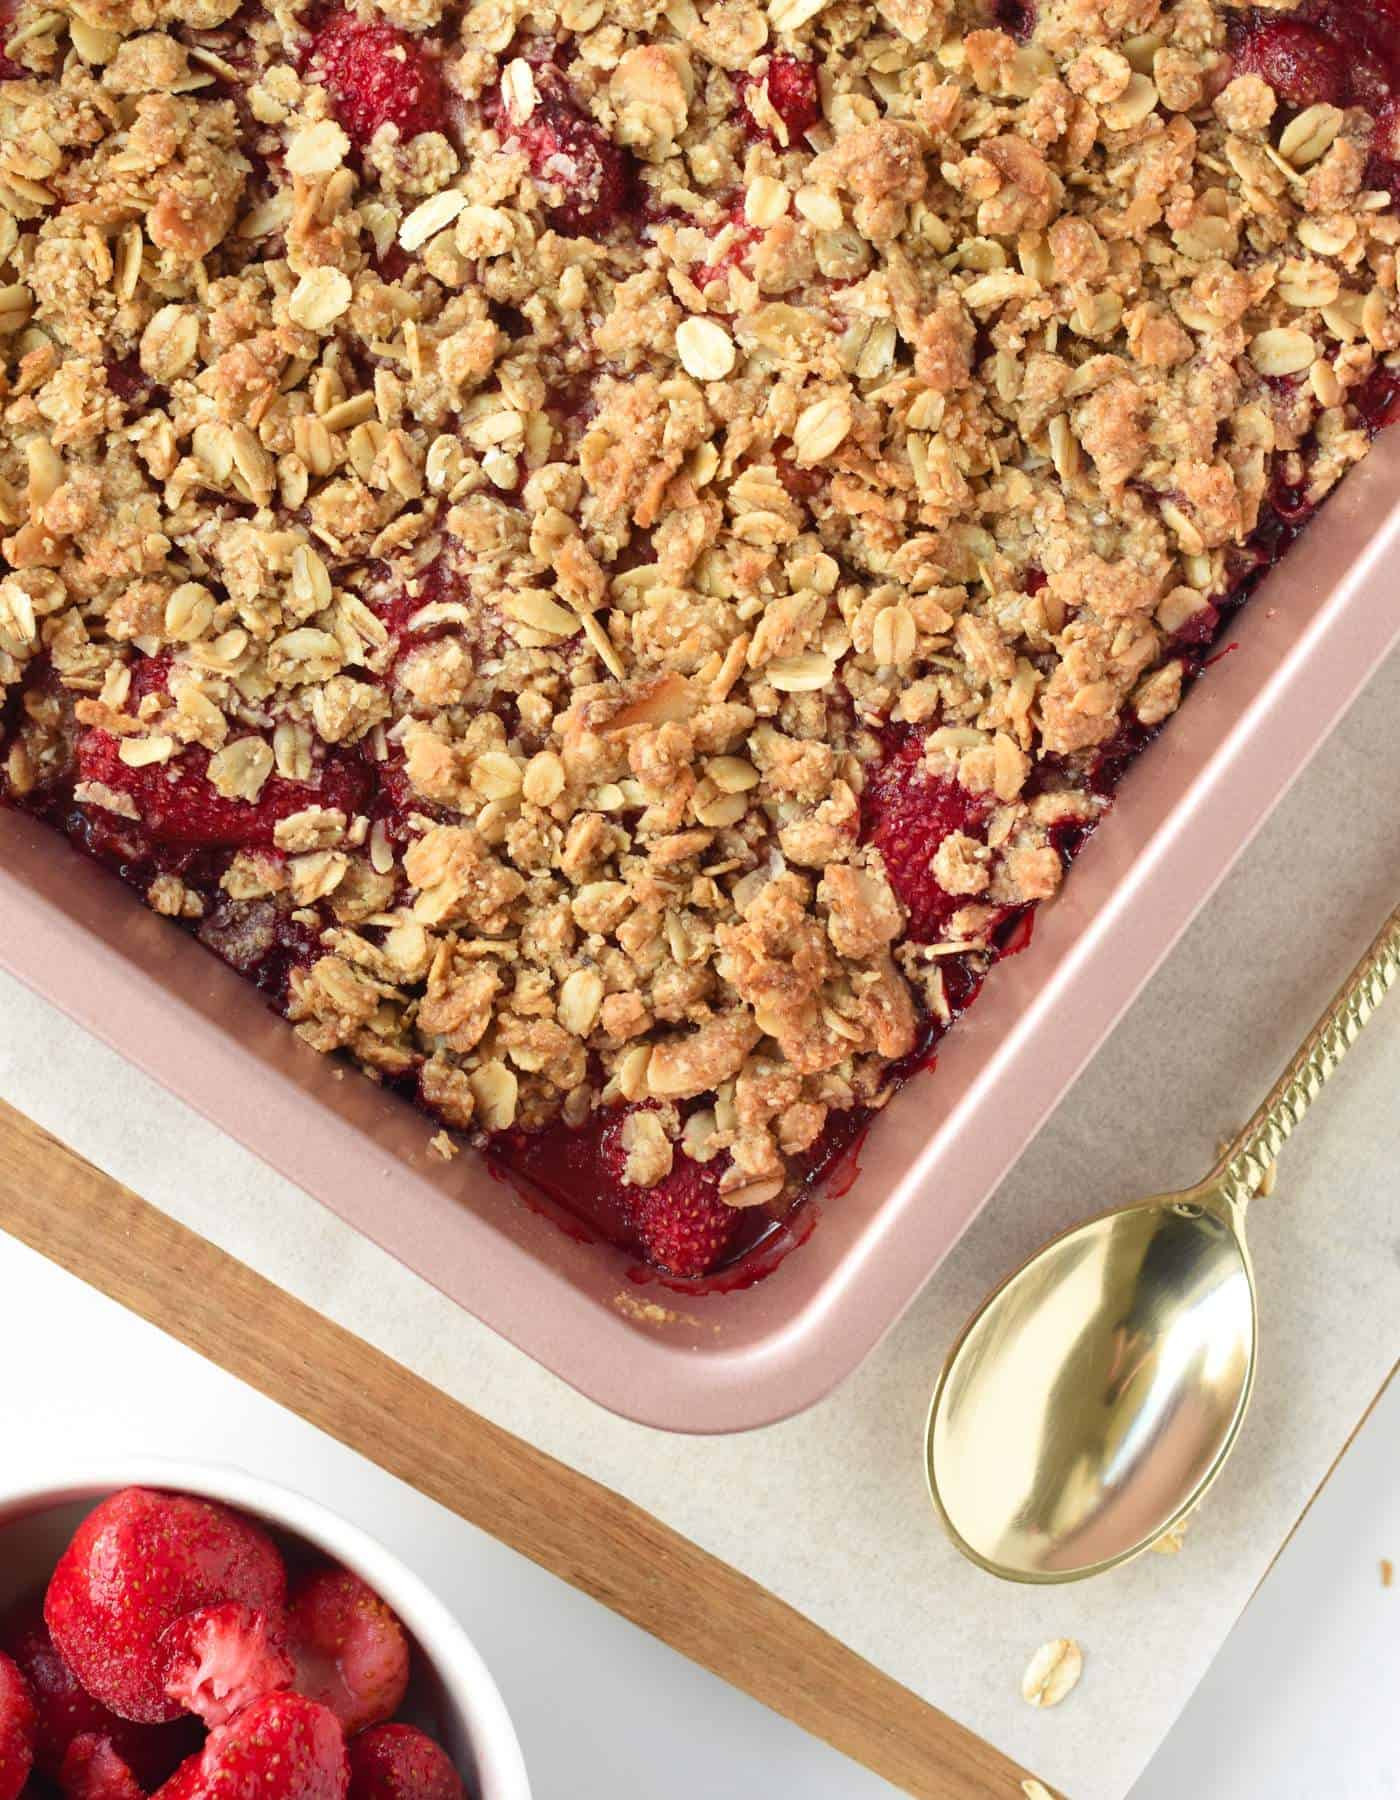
(570, 156)
(65, 1710)
(399, 1762)
(681, 1225)
(18, 1728)
(1016, 17)
(282, 1747)
(1302, 64)
(792, 92)
(377, 75)
(351, 1653)
(137, 1563)
(906, 814)
(93, 1770)
(221, 1658)
(179, 806)
(9, 71)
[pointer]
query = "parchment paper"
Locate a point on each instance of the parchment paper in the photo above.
(828, 1510)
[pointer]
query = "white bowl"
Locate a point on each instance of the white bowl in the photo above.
(38, 1516)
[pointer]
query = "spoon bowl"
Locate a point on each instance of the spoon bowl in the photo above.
(1101, 1383)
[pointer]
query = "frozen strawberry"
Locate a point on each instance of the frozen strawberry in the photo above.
(222, 1658)
(906, 814)
(570, 155)
(94, 1770)
(399, 1762)
(137, 1563)
(791, 89)
(282, 1747)
(18, 1729)
(377, 75)
(1303, 65)
(350, 1651)
(66, 1710)
(681, 1225)
(179, 806)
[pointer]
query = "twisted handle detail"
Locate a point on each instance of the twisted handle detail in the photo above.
(1247, 1161)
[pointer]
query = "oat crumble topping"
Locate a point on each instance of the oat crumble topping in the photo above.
(600, 550)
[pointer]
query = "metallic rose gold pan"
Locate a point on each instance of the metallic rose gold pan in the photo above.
(1308, 640)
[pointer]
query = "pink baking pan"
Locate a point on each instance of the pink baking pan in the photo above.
(1307, 641)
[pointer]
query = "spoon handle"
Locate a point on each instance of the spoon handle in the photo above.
(1247, 1161)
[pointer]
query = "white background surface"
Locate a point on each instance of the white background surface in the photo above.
(1299, 1706)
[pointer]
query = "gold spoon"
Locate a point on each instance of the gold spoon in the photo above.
(1096, 1394)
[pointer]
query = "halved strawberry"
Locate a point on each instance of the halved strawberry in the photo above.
(65, 1710)
(179, 806)
(18, 1728)
(137, 1563)
(222, 1658)
(399, 1762)
(681, 1225)
(377, 75)
(93, 1770)
(350, 1651)
(282, 1747)
(906, 813)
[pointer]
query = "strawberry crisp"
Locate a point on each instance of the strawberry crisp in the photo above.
(607, 553)
(177, 1653)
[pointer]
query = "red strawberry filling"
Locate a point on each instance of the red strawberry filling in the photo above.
(587, 178)
(905, 814)
(137, 1563)
(399, 1762)
(377, 75)
(222, 1658)
(178, 805)
(282, 1747)
(349, 1649)
(18, 1730)
(790, 87)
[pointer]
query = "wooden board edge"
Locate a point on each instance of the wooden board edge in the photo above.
(64, 1207)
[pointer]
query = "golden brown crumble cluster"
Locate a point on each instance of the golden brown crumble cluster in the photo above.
(611, 465)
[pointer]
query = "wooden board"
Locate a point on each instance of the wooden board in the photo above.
(68, 1210)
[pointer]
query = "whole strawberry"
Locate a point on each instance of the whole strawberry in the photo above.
(18, 1725)
(905, 814)
(377, 75)
(350, 1651)
(681, 1225)
(139, 1562)
(93, 1769)
(399, 1762)
(282, 1747)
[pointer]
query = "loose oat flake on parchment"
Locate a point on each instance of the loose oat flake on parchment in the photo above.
(1052, 1672)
